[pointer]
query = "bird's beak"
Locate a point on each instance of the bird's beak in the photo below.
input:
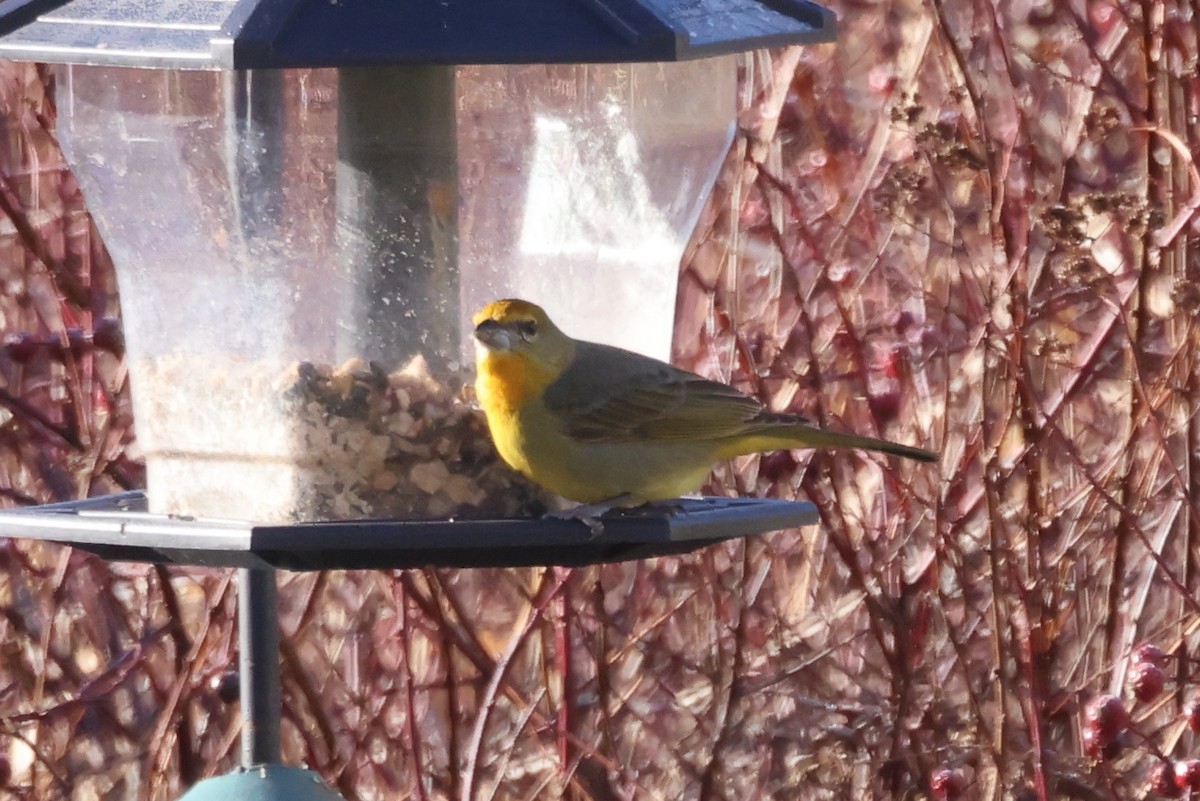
(494, 335)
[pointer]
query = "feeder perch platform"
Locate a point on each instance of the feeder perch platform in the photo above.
(118, 528)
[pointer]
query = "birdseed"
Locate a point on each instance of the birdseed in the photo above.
(306, 441)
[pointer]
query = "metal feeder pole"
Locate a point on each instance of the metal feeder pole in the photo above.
(262, 776)
(258, 666)
(256, 119)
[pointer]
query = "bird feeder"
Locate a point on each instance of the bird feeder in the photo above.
(305, 201)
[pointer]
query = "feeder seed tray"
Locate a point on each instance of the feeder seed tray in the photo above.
(117, 529)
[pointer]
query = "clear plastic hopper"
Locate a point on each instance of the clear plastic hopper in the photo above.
(299, 253)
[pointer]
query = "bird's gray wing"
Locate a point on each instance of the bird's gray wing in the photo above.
(611, 395)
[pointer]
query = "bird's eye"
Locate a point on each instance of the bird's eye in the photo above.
(527, 329)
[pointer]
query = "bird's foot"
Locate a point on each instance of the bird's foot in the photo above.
(671, 507)
(590, 513)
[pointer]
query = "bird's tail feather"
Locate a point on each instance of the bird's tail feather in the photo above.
(803, 435)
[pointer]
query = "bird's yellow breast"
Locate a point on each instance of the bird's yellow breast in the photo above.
(510, 387)
(508, 381)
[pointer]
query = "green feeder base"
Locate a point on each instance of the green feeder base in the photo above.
(264, 783)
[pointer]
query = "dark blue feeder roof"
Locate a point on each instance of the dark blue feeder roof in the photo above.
(245, 34)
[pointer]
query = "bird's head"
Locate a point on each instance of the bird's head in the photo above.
(521, 328)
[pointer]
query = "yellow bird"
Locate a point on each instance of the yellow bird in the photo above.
(609, 427)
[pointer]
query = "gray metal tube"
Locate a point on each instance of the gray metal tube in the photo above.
(397, 209)
(258, 666)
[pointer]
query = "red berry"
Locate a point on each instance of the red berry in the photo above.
(946, 784)
(1097, 746)
(1161, 780)
(1191, 711)
(1146, 679)
(1149, 653)
(1106, 716)
(1187, 774)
